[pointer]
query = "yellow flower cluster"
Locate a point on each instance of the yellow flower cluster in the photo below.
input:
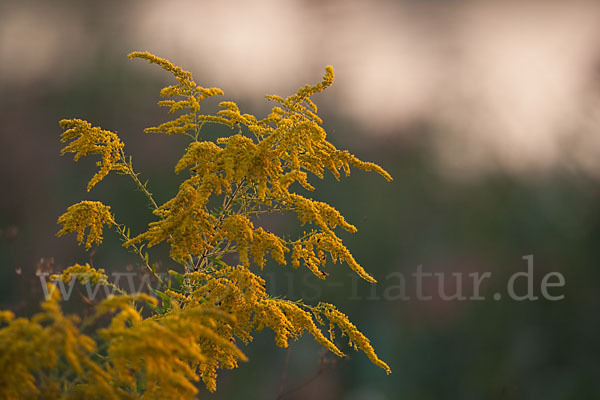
(356, 339)
(166, 350)
(82, 215)
(83, 273)
(287, 145)
(232, 181)
(241, 293)
(30, 349)
(312, 250)
(86, 140)
(192, 95)
(152, 358)
(185, 224)
(239, 229)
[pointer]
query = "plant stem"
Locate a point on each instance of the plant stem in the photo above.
(131, 173)
(138, 251)
(227, 203)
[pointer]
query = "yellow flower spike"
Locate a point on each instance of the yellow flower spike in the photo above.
(348, 328)
(83, 273)
(319, 213)
(179, 73)
(185, 223)
(86, 140)
(82, 215)
(188, 89)
(308, 90)
(238, 228)
(6, 316)
(303, 320)
(266, 241)
(212, 306)
(334, 246)
(201, 156)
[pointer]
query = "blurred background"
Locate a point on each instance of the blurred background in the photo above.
(485, 113)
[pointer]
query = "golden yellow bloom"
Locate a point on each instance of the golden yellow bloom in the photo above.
(264, 241)
(239, 229)
(319, 213)
(83, 273)
(6, 316)
(86, 140)
(188, 89)
(29, 347)
(80, 216)
(201, 157)
(357, 339)
(166, 349)
(209, 307)
(185, 224)
(282, 149)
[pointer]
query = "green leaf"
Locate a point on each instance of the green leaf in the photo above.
(179, 278)
(218, 262)
(165, 300)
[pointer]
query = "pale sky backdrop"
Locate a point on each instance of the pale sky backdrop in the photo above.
(504, 84)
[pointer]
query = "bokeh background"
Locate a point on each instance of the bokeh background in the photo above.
(486, 113)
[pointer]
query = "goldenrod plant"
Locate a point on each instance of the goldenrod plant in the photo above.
(194, 323)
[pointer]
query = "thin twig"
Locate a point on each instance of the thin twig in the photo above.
(227, 203)
(137, 250)
(134, 176)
